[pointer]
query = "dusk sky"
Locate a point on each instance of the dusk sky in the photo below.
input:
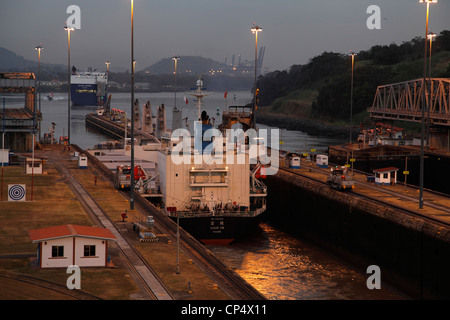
(293, 30)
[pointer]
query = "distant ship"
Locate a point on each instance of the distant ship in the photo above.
(88, 88)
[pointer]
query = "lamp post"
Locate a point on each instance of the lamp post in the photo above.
(351, 96)
(429, 37)
(107, 62)
(175, 59)
(424, 86)
(39, 48)
(255, 29)
(132, 109)
(68, 29)
(177, 270)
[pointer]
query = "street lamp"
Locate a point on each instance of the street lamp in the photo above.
(39, 48)
(351, 96)
(106, 86)
(421, 175)
(177, 270)
(429, 37)
(175, 59)
(68, 29)
(107, 62)
(255, 29)
(132, 109)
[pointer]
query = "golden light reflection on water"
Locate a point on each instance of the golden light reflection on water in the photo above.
(285, 268)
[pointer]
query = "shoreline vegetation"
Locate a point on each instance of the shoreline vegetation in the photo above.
(309, 126)
(316, 97)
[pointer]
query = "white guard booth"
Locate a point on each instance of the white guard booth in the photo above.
(322, 161)
(385, 176)
(294, 162)
(34, 166)
(82, 161)
(4, 157)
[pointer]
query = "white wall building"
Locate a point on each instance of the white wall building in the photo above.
(62, 246)
(386, 175)
(34, 166)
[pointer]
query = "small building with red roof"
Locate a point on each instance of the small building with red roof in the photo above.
(62, 246)
(386, 175)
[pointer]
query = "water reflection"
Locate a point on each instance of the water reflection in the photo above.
(283, 267)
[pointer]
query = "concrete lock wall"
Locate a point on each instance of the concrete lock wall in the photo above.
(413, 255)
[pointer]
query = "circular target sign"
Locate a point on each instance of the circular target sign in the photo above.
(16, 192)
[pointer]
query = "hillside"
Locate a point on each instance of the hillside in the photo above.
(157, 78)
(10, 61)
(319, 92)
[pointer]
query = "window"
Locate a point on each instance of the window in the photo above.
(57, 251)
(385, 175)
(89, 251)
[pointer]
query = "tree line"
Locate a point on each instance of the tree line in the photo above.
(330, 73)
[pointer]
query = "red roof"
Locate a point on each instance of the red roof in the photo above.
(385, 169)
(70, 230)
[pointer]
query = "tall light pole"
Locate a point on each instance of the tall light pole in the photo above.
(430, 37)
(255, 29)
(351, 96)
(39, 48)
(107, 62)
(132, 109)
(424, 86)
(175, 59)
(68, 29)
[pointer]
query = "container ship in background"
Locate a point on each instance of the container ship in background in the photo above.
(88, 88)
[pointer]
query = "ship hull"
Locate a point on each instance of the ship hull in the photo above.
(84, 94)
(218, 229)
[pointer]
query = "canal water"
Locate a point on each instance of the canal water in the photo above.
(279, 265)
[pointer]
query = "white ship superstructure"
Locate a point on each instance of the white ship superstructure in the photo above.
(88, 88)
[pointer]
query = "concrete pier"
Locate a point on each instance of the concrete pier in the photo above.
(116, 130)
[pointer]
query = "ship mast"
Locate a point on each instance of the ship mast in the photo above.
(199, 94)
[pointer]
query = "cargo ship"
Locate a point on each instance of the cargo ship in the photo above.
(216, 200)
(88, 88)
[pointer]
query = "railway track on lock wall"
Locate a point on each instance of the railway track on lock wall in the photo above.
(146, 277)
(227, 279)
(33, 282)
(378, 201)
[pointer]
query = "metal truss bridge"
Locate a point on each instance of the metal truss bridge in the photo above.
(404, 101)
